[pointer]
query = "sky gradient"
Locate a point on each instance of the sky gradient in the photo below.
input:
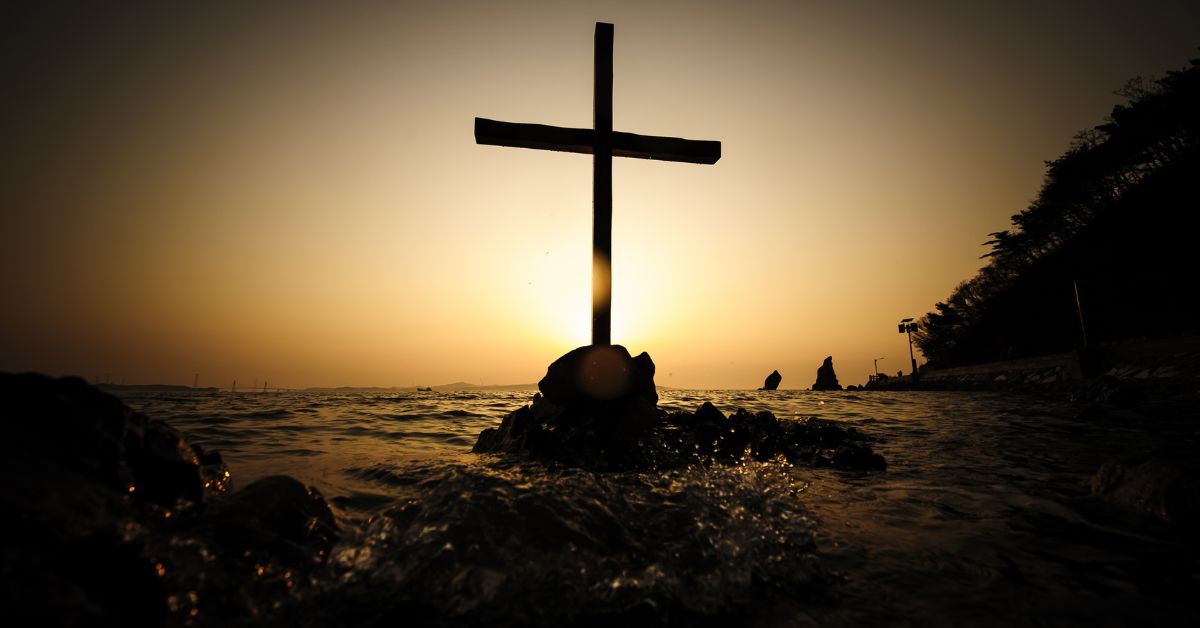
(294, 194)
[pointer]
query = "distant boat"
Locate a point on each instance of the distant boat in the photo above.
(426, 389)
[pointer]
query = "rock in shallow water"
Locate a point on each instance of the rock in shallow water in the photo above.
(276, 516)
(114, 519)
(1165, 484)
(78, 456)
(826, 377)
(599, 374)
(595, 400)
(772, 381)
(629, 431)
(1109, 389)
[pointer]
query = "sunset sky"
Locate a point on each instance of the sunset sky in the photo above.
(294, 194)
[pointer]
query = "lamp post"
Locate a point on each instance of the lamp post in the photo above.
(877, 367)
(908, 327)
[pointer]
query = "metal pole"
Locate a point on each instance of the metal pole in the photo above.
(908, 328)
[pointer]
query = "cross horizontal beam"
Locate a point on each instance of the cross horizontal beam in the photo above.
(544, 137)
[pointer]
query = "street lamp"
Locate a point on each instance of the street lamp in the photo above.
(908, 327)
(877, 367)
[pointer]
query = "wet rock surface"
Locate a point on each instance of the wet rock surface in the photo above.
(628, 432)
(114, 519)
(1110, 389)
(1163, 483)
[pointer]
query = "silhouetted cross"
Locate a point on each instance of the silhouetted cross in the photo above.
(603, 144)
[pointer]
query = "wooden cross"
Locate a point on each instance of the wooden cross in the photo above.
(603, 144)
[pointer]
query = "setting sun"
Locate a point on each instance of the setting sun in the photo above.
(476, 313)
(320, 214)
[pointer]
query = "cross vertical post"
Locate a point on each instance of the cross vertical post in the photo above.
(603, 144)
(602, 124)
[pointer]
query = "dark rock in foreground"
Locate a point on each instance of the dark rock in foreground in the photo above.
(77, 455)
(772, 381)
(114, 519)
(1165, 484)
(276, 516)
(570, 423)
(826, 378)
(1109, 389)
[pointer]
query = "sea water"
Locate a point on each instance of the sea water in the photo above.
(983, 517)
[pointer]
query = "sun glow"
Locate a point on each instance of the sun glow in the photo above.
(297, 197)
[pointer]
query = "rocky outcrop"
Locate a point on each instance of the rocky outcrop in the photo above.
(1109, 389)
(1165, 484)
(772, 381)
(599, 374)
(569, 423)
(82, 454)
(704, 436)
(114, 519)
(595, 400)
(826, 378)
(709, 435)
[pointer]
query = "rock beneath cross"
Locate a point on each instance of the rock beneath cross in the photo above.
(596, 403)
(772, 381)
(826, 378)
(599, 374)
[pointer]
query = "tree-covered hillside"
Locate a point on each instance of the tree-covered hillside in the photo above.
(1117, 217)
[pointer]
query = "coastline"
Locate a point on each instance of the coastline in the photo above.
(1145, 369)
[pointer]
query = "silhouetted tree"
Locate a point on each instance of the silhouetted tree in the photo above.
(1116, 215)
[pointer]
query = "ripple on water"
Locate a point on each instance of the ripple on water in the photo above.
(271, 413)
(384, 474)
(298, 451)
(400, 416)
(984, 502)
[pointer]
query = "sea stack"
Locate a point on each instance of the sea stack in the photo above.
(772, 381)
(826, 378)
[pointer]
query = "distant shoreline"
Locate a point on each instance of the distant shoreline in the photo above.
(153, 388)
(455, 387)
